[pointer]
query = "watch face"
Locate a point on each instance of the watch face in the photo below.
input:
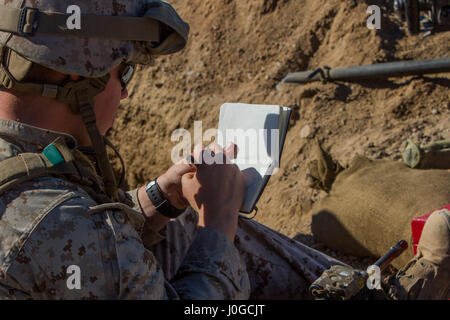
(150, 184)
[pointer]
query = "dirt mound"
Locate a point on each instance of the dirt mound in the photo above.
(240, 50)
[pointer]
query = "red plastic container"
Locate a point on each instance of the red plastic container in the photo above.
(417, 225)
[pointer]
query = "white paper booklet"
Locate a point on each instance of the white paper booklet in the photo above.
(259, 132)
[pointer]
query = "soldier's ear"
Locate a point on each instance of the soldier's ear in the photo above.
(75, 77)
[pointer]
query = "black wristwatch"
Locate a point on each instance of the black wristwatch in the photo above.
(162, 205)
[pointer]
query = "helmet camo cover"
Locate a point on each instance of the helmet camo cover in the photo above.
(93, 56)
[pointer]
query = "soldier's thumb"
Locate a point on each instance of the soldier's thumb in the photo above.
(184, 168)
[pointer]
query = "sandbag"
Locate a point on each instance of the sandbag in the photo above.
(371, 204)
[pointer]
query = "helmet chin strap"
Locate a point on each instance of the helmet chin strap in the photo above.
(86, 107)
(79, 95)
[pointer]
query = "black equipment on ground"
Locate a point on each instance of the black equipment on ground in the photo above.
(344, 283)
(409, 11)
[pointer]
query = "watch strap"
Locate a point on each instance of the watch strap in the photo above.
(162, 205)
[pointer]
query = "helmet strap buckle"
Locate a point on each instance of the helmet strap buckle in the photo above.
(50, 91)
(28, 22)
(70, 92)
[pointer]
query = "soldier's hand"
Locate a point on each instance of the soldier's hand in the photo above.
(215, 191)
(170, 183)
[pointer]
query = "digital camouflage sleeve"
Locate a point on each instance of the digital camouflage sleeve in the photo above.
(48, 225)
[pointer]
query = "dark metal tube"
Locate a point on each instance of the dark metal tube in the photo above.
(393, 253)
(382, 70)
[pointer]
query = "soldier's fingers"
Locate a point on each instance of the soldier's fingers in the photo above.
(231, 151)
(216, 148)
(183, 168)
(187, 179)
(198, 152)
(187, 164)
(214, 153)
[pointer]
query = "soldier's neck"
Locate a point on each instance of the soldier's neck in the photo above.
(43, 113)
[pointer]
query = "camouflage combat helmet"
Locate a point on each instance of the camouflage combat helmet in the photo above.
(110, 32)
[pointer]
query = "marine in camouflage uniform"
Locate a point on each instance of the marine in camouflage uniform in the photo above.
(58, 214)
(49, 224)
(60, 206)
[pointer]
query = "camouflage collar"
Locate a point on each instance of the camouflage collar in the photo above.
(33, 135)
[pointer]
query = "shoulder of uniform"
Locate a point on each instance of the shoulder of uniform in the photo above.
(9, 148)
(45, 189)
(59, 232)
(43, 205)
(28, 204)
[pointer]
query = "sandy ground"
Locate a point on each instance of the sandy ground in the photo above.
(239, 51)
